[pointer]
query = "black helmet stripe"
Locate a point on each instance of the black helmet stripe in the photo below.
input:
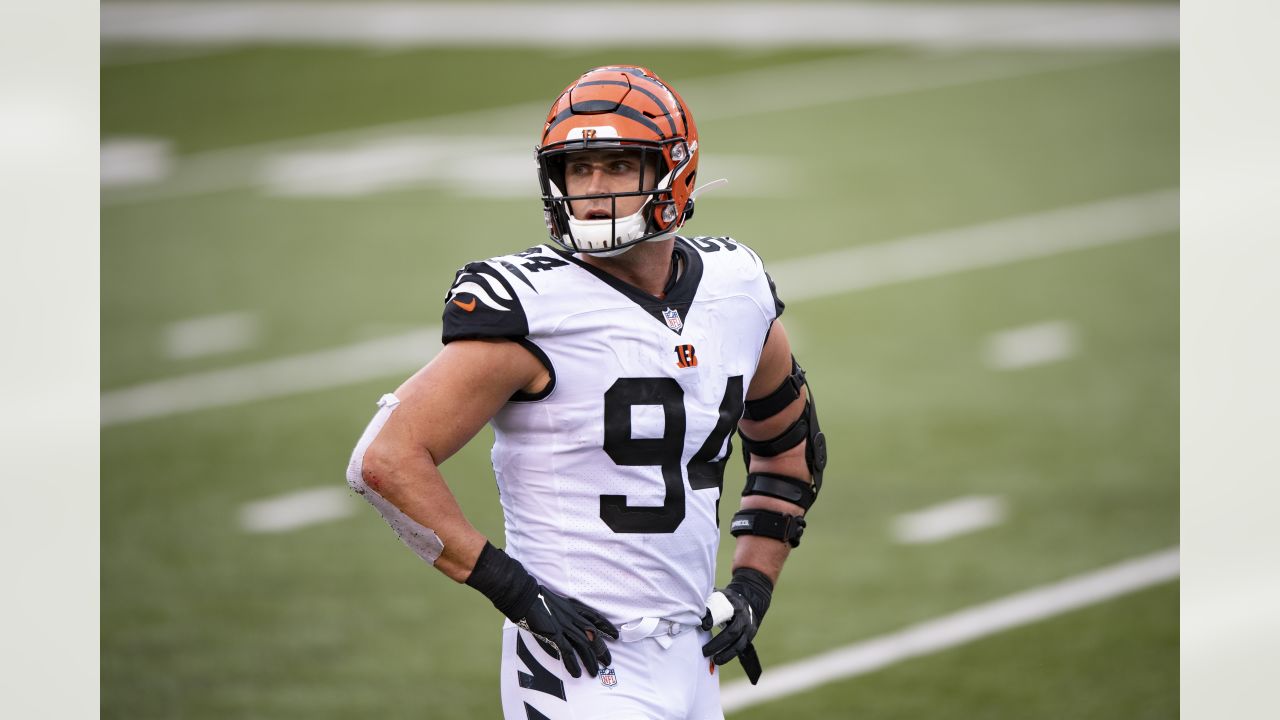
(649, 94)
(601, 106)
(684, 120)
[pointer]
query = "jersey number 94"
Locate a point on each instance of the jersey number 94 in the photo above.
(705, 468)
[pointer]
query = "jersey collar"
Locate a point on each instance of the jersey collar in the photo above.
(673, 310)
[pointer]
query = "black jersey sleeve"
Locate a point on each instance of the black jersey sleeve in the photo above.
(482, 304)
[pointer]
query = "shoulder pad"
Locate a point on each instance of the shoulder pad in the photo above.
(708, 244)
(727, 247)
(482, 304)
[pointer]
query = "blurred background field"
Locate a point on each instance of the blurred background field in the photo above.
(268, 200)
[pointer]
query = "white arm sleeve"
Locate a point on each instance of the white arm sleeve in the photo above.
(422, 540)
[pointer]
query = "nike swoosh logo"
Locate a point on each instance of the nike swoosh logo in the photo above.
(466, 306)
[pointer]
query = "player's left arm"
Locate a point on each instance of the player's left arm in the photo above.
(783, 441)
(786, 456)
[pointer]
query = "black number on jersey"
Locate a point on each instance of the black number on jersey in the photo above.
(537, 264)
(706, 467)
(713, 244)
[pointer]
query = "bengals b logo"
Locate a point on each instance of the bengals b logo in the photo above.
(685, 357)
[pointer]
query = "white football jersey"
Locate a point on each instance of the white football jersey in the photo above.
(610, 480)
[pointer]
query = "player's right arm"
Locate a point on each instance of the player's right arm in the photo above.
(396, 468)
(442, 407)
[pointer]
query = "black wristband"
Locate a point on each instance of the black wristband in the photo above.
(503, 580)
(756, 587)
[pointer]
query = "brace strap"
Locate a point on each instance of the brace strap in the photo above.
(782, 487)
(770, 524)
(789, 438)
(779, 399)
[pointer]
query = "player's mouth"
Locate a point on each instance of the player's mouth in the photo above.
(598, 215)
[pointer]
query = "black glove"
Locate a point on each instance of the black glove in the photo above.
(563, 626)
(749, 593)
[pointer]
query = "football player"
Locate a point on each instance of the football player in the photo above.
(614, 363)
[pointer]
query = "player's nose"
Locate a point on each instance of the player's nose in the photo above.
(597, 182)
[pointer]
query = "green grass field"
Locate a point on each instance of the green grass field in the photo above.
(203, 620)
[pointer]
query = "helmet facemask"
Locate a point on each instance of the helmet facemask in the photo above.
(656, 218)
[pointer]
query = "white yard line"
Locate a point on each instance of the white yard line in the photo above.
(324, 369)
(611, 24)
(949, 519)
(491, 166)
(865, 77)
(953, 630)
(297, 510)
(1032, 345)
(720, 97)
(134, 161)
(211, 335)
(978, 246)
(840, 271)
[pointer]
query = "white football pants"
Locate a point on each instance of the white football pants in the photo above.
(657, 675)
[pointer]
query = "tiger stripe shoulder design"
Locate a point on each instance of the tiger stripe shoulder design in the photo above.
(482, 303)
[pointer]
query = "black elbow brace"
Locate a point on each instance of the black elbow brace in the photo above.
(768, 523)
(804, 428)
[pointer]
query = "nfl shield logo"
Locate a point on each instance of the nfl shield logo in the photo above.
(608, 677)
(673, 319)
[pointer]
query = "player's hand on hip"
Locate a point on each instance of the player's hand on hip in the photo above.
(568, 629)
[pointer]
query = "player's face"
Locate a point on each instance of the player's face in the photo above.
(595, 172)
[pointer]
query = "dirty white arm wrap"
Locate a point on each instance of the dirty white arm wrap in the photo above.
(422, 540)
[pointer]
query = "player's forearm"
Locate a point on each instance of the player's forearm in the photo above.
(411, 482)
(767, 554)
(764, 554)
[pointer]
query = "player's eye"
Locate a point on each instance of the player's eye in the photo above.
(622, 166)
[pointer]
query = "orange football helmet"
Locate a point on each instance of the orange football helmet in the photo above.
(626, 108)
